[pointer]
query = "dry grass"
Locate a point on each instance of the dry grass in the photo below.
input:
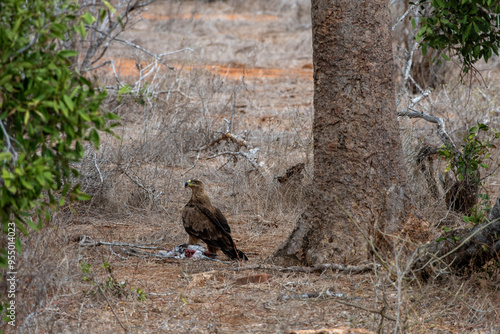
(250, 64)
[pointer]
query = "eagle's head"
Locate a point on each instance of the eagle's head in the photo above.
(193, 184)
(198, 189)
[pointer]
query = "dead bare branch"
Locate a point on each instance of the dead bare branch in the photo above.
(228, 136)
(441, 132)
(87, 241)
(145, 51)
(335, 297)
(249, 156)
(402, 17)
(317, 268)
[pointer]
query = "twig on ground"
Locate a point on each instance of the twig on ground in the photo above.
(135, 252)
(113, 310)
(336, 297)
(318, 268)
(88, 241)
(316, 295)
(379, 312)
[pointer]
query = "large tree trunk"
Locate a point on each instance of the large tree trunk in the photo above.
(357, 149)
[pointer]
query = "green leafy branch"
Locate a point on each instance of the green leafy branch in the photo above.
(475, 151)
(468, 28)
(47, 111)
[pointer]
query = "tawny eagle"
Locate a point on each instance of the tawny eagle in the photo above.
(204, 221)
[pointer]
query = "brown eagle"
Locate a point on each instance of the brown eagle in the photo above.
(204, 221)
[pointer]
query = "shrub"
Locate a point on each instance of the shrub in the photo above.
(47, 111)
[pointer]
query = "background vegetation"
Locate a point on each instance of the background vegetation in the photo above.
(241, 68)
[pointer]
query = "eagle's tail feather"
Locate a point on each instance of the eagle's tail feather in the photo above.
(235, 254)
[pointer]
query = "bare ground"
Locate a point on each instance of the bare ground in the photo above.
(250, 63)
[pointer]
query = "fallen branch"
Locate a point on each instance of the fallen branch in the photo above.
(87, 241)
(463, 249)
(137, 250)
(317, 268)
(315, 295)
(335, 297)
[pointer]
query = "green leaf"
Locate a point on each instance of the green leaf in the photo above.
(466, 33)
(124, 90)
(102, 14)
(26, 184)
(33, 225)
(413, 24)
(69, 102)
(110, 7)
(88, 18)
(476, 51)
(80, 29)
(476, 28)
(19, 248)
(445, 57)
(94, 138)
(83, 197)
(5, 156)
(421, 33)
(424, 49)
(484, 165)
(68, 53)
(440, 3)
(112, 116)
(483, 127)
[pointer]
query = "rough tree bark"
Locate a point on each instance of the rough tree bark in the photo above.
(357, 149)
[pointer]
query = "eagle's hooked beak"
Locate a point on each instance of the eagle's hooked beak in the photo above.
(187, 184)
